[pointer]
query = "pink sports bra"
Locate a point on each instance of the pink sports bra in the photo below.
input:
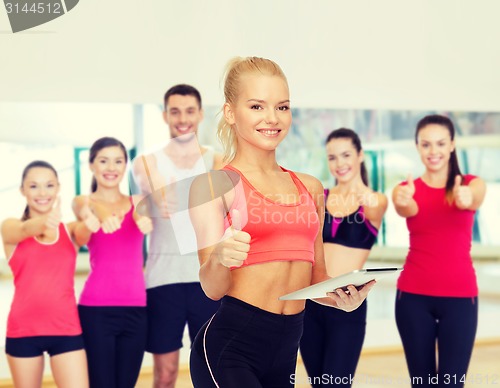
(279, 232)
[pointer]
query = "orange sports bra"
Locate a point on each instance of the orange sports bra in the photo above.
(279, 232)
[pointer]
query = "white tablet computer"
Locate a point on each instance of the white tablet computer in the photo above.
(356, 278)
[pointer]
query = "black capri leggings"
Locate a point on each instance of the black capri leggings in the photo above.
(331, 343)
(451, 322)
(115, 339)
(246, 347)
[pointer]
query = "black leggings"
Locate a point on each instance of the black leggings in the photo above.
(331, 343)
(424, 321)
(115, 339)
(246, 347)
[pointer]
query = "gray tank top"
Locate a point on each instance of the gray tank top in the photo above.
(169, 261)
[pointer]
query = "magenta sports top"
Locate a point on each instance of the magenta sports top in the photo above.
(116, 277)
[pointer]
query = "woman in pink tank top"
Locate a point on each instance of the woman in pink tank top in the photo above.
(42, 251)
(112, 305)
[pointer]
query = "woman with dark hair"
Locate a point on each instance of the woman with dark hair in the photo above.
(436, 303)
(41, 251)
(112, 304)
(353, 215)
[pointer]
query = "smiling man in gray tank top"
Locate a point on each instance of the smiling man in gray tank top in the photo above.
(175, 297)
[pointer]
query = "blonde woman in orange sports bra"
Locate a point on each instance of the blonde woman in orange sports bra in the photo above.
(257, 242)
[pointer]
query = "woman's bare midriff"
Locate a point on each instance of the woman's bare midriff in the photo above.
(262, 284)
(340, 259)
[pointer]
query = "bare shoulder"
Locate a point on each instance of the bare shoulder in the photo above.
(478, 188)
(477, 181)
(218, 161)
(140, 163)
(199, 191)
(79, 201)
(138, 197)
(12, 233)
(206, 187)
(11, 228)
(382, 200)
(71, 226)
(312, 184)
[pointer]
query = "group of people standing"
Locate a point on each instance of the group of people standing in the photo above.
(227, 292)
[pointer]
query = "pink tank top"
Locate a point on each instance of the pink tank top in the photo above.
(44, 301)
(116, 277)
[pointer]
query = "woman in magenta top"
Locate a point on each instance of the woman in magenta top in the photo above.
(436, 303)
(112, 304)
(41, 251)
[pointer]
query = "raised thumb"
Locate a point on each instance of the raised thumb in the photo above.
(236, 219)
(409, 181)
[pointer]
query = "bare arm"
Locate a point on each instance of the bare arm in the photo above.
(315, 187)
(374, 207)
(87, 223)
(469, 197)
(160, 189)
(146, 174)
(341, 300)
(218, 162)
(144, 223)
(80, 231)
(218, 249)
(215, 278)
(319, 273)
(140, 175)
(15, 230)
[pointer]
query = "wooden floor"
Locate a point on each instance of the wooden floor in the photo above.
(375, 370)
(388, 369)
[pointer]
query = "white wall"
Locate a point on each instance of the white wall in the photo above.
(435, 54)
